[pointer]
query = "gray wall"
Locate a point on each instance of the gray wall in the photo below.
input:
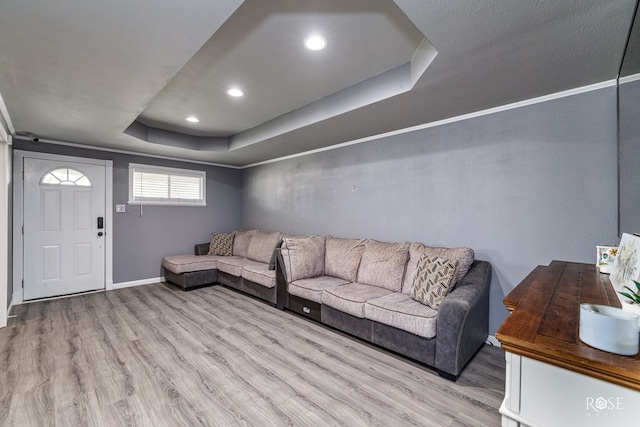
(629, 116)
(140, 242)
(520, 187)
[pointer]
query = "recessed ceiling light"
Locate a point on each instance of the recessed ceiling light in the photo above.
(315, 42)
(234, 91)
(192, 119)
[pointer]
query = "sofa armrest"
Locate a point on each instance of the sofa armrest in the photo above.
(463, 321)
(201, 249)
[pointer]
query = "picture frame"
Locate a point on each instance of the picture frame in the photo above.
(605, 257)
(626, 266)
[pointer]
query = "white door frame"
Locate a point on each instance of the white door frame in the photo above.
(5, 179)
(18, 215)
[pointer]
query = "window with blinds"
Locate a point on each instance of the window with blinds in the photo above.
(156, 185)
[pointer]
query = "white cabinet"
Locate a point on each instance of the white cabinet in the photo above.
(553, 378)
(540, 394)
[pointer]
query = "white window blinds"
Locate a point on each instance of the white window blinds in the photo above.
(155, 185)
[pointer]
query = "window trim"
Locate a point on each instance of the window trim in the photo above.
(137, 167)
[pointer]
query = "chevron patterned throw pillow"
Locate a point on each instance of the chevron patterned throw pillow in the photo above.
(433, 279)
(221, 244)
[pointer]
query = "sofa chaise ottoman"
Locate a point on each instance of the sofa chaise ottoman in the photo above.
(192, 271)
(246, 265)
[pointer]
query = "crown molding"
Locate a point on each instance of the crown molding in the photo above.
(506, 107)
(629, 79)
(132, 153)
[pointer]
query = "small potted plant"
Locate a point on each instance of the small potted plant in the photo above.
(632, 295)
(632, 300)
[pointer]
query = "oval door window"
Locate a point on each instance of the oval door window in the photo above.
(65, 176)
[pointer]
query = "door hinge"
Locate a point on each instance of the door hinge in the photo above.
(23, 283)
(23, 229)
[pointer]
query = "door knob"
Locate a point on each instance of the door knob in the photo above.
(99, 233)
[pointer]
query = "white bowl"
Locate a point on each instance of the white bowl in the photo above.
(609, 328)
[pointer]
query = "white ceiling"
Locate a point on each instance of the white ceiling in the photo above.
(86, 72)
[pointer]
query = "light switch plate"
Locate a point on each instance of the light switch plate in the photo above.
(120, 208)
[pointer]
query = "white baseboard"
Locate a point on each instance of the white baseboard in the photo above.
(136, 283)
(16, 299)
(492, 340)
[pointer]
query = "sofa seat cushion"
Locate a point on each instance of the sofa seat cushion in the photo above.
(311, 289)
(351, 298)
(383, 264)
(262, 245)
(260, 274)
(186, 263)
(401, 311)
(234, 265)
(342, 257)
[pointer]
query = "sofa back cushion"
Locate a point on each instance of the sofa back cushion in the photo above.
(241, 240)
(303, 257)
(383, 264)
(464, 257)
(262, 245)
(342, 257)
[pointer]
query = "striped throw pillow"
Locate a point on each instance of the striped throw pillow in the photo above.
(433, 280)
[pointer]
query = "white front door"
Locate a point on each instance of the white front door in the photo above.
(64, 243)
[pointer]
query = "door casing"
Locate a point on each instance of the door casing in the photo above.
(5, 180)
(18, 215)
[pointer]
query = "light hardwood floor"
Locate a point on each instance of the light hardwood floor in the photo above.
(157, 356)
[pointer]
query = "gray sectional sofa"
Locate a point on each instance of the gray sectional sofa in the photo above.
(249, 268)
(363, 287)
(360, 286)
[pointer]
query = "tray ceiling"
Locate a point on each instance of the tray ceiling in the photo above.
(124, 75)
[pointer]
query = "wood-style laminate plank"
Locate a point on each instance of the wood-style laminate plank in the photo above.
(560, 320)
(155, 355)
(130, 411)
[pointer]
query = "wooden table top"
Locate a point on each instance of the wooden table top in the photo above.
(544, 319)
